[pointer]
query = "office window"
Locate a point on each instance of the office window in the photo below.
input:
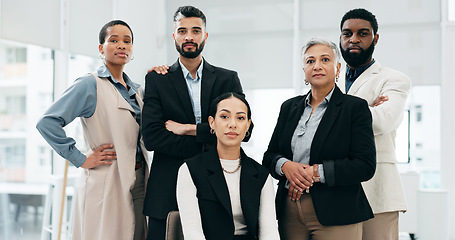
(451, 10)
(16, 55)
(402, 139)
(45, 156)
(425, 140)
(418, 112)
(26, 78)
(264, 114)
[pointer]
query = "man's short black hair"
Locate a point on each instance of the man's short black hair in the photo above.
(103, 30)
(189, 11)
(360, 13)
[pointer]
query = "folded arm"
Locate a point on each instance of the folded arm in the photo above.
(388, 115)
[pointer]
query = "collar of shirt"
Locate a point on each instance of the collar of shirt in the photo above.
(326, 99)
(187, 74)
(353, 74)
(104, 72)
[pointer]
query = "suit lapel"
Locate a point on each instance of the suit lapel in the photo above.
(217, 180)
(207, 81)
(175, 76)
(329, 118)
(366, 76)
(250, 188)
(295, 114)
(122, 103)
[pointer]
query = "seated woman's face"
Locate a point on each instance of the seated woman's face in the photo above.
(319, 65)
(230, 122)
(117, 48)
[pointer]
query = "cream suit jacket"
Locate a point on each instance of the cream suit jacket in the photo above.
(385, 190)
(104, 206)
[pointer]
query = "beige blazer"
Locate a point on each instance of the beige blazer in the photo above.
(384, 191)
(104, 207)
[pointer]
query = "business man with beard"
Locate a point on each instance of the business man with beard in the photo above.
(386, 91)
(175, 115)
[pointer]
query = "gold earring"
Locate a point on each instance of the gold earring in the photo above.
(212, 131)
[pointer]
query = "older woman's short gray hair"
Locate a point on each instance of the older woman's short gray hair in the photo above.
(323, 41)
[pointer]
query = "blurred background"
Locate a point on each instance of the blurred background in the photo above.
(45, 45)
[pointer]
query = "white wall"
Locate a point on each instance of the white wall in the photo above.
(447, 116)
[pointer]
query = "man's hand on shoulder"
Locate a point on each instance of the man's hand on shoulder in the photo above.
(163, 69)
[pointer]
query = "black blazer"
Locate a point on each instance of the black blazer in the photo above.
(166, 98)
(344, 144)
(213, 194)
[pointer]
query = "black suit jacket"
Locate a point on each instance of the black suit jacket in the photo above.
(213, 194)
(167, 98)
(344, 144)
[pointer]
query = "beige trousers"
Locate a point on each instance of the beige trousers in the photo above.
(384, 226)
(299, 222)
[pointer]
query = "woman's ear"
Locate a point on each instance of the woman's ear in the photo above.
(211, 120)
(338, 69)
(100, 49)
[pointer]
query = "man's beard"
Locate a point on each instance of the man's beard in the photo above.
(355, 60)
(190, 54)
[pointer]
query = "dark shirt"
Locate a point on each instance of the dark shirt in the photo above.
(353, 74)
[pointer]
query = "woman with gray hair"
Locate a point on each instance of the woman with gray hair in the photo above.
(321, 150)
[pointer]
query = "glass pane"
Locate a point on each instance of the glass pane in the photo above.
(26, 78)
(451, 10)
(264, 114)
(402, 139)
(425, 141)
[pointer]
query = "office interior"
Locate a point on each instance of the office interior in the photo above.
(45, 45)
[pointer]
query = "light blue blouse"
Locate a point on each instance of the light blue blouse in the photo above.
(79, 100)
(304, 134)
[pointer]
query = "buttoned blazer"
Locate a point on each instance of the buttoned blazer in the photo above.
(167, 98)
(213, 194)
(343, 143)
(384, 190)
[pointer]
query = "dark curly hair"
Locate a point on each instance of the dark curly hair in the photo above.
(360, 13)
